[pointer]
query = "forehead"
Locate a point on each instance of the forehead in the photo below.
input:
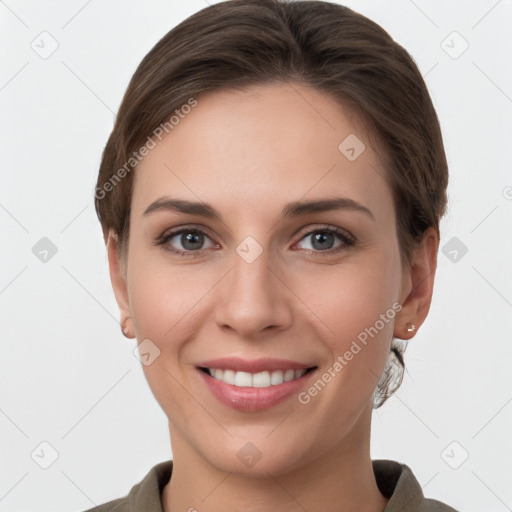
(262, 147)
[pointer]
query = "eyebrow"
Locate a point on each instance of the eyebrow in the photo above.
(293, 209)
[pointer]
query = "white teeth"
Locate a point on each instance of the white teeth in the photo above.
(289, 375)
(261, 380)
(256, 380)
(228, 376)
(276, 378)
(300, 373)
(241, 379)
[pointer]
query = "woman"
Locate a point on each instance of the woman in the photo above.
(270, 197)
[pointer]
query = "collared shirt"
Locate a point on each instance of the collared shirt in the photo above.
(395, 481)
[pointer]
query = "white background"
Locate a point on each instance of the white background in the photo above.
(69, 377)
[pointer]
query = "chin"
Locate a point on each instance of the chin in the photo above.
(258, 458)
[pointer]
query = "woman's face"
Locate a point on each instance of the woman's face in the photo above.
(268, 286)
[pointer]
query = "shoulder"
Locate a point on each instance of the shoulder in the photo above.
(397, 482)
(117, 505)
(145, 495)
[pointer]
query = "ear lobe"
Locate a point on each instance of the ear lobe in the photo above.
(420, 285)
(118, 276)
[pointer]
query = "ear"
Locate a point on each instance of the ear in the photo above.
(417, 286)
(117, 270)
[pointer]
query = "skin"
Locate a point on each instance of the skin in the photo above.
(248, 154)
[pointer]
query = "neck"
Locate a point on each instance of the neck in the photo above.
(341, 480)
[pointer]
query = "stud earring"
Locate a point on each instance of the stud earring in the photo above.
(125, 331)
(411, 327)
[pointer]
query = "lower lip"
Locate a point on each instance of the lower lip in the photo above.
(253, 399)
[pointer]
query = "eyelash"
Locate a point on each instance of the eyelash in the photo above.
(346, 238)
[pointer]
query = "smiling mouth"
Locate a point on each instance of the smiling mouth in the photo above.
(263, 379)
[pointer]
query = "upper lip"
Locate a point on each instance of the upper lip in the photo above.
(253, 366)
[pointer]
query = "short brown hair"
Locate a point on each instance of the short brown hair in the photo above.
(237, 44)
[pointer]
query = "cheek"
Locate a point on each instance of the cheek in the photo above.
(356, 306)
(165, 300)
(359, 310)
(350, 298)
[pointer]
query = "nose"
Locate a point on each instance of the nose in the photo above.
(253, 299)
